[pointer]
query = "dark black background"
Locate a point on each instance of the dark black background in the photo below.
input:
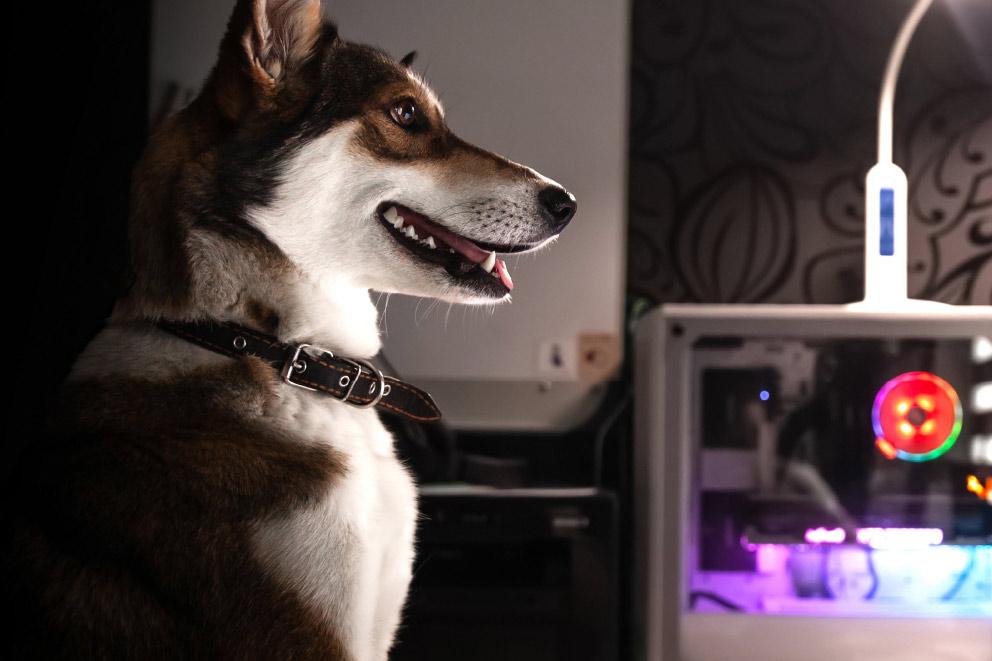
(76, 80)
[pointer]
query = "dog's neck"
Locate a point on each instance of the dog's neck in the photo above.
(333, 315)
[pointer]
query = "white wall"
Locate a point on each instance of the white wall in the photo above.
(543, 83)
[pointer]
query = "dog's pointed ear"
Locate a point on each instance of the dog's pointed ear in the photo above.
(409, 58)
(265, 41)
(282, 34)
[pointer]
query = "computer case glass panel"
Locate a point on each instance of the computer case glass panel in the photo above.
(840, 476)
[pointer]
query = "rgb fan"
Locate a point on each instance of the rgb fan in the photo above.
(916, 416)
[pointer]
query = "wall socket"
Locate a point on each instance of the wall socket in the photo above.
(556, 359)
(591, 357)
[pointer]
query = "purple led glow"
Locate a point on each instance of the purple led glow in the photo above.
(856, 580)
(825, 536)
(771, 558)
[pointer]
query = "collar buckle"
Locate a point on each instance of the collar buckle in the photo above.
(296, 365)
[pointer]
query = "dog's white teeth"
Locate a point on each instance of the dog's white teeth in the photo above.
(490, 262)
(410, 232)
(430, 242)
(398, 223)
(392, 215)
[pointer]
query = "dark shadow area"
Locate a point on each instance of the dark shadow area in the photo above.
(79, 96)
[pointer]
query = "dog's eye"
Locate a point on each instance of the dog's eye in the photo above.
(404, 113)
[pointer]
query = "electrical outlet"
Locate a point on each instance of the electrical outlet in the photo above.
(556, 359)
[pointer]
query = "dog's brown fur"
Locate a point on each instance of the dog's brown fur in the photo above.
(132, 524)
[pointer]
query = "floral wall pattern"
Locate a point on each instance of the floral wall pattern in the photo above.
(752, 127)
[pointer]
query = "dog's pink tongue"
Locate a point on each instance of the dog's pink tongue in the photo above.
(504, 273)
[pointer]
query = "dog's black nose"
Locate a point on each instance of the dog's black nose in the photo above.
(560, 204)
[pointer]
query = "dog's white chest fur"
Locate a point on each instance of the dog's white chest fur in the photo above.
(348, 556)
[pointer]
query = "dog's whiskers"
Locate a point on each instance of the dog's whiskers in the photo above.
(447, 315)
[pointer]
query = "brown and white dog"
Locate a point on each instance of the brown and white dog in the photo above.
(190, 505)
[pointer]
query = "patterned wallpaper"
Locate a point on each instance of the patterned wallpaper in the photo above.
(753, 125)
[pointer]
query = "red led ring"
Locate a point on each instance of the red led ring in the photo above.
(916, 417)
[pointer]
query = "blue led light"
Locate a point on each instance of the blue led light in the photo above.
(886, 212)
(764, 395)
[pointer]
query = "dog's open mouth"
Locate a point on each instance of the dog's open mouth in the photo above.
(461, 257)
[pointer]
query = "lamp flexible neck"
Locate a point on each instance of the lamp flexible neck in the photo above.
(892, 67)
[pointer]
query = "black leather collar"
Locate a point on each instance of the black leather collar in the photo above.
(354, 382)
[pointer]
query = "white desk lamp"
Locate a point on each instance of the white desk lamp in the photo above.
(887, 198)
